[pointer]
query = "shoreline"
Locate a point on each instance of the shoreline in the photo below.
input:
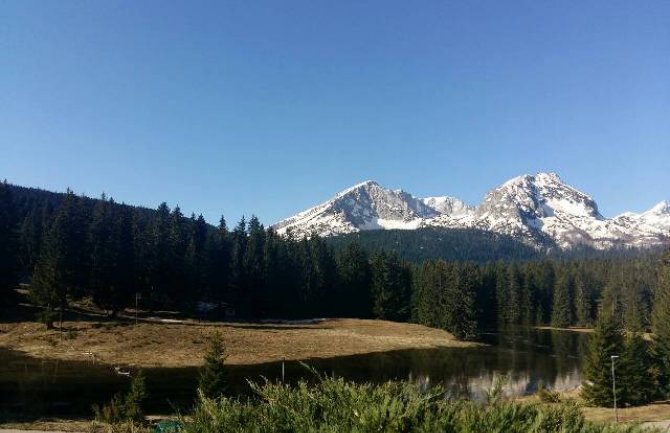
(161, 344)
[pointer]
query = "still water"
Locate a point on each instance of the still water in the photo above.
(526, 357)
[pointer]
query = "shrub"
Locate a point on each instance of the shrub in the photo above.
(212, 382)
(546, 395)
(334, 405)
(124, 408)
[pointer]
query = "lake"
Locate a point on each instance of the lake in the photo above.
(526, 357)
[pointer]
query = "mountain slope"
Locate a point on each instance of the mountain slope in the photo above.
(366, 206)
(540, 210)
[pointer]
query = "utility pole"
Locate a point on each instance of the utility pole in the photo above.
(616, 415)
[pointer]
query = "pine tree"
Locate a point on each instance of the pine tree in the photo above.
(352, 297)
(106, 288)
(218, 263)
(661, 322)
(62, 269)
(606, 341)
(583, 295)
(213, 379)
(635, 376)
(132, 403)
(8, 245)
(390, 287)
(561, 312)
(465, 314)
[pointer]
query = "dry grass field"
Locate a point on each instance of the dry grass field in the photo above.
(183, 344)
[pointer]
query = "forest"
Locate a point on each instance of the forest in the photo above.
(69, 247)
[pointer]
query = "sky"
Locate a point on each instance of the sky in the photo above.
(270, 107)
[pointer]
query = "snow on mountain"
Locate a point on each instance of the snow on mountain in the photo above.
(366, 206)
(649, 225)
(446, 205)
(538, 209)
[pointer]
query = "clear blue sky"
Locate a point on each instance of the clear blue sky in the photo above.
(268, 107)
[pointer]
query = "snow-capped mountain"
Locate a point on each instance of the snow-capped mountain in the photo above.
(538, 209)
(366, 206)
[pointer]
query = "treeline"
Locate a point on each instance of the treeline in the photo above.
(70, 247)
(465, 298)
(429, 243)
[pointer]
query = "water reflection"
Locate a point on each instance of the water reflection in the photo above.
(526, 357)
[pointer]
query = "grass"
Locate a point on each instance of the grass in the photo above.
(182, 344)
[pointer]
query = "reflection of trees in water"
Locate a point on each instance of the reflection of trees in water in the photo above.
(526, 356)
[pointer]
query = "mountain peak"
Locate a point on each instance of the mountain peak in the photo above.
(540, 209)
(662, 207)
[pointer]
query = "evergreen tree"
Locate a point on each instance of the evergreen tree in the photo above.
(661, 322)
(133, 401)
(390, 287)
(8, 245)
(561, 313)
(352, 297)
(465, 314)
(606, 341)
(257, 301)
(635, 378)
(62, 270)
(196, 258)
(583, 296)
(112, 272)
(238, 277)
(213, 378)
(218, 262)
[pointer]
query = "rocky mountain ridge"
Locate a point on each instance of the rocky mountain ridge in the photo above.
(539, 209)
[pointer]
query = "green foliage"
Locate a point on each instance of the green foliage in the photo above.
(561, 312)
(661, 322)
(390, 287)
(213, 380)
(635, 375)
(546, 395)
(334, 405)
(445, 296)
(424, 244)
(63, 264)
(606, 341)
(8, 244)
(124, 408)
(71, 247)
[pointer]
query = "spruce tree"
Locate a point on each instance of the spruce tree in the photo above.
(352, 297)
(635, 376)
(561, 312)
(583, 295)
(213, 380)
(9, 259)
(660, 322)
(62, 270)
(605, 342)
(390, 287)
(465, 314)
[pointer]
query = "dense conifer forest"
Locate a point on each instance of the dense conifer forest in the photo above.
(69, 247)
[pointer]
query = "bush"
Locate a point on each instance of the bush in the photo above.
(334, 405)
(546, 395)
(212, 382)
(124, 408)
